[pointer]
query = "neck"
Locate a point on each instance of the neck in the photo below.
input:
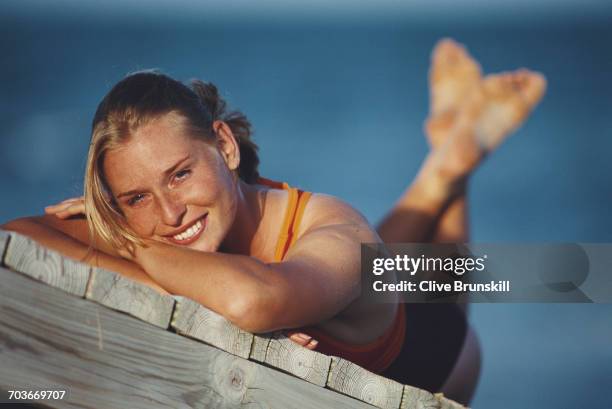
(249, 213)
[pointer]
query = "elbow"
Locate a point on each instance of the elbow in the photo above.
(255, 314)
(21, 225)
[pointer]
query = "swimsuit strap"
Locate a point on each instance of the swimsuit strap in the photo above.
(293, 216)
(375, 356)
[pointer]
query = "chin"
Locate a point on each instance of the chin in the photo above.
(207, 242)
(204, 246)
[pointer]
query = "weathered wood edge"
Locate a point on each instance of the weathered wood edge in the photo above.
(4, 241)
(418, 398)
(30, 258)
(260, 347)
(300, 362)
(112, 360)
(122, 294)
(446, 403)
(284, 354)
(196, 321)
(352, 380)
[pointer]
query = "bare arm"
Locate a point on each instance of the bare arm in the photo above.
(323, 265)
(69, 237)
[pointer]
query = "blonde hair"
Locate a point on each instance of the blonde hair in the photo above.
(132, 103)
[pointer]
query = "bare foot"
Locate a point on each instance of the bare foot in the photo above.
(510, 97)
(489, 115)
(453, 76)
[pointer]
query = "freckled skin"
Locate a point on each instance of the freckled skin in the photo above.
(168, 203)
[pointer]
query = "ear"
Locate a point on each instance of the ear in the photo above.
(227, 144)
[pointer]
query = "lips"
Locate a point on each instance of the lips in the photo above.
(191, 233)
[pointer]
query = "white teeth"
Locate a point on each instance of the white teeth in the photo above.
(190, 232)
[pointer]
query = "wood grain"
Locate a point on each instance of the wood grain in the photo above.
(28, 257)
(415, 398)
(111, 360)
(125, 295)
(4, 239)
(353, 380)
(446, 403)
(302, 362)
(196, 321)
(260, 347)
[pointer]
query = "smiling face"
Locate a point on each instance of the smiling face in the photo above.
(174, 188)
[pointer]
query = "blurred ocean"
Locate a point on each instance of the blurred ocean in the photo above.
(338, 108)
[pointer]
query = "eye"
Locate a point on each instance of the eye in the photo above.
(136, 199)
(182, 174)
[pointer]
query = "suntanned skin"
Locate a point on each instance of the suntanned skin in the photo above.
(469, 119)
(453, 76)
(242, 282)
(318, 282)
(458, 93)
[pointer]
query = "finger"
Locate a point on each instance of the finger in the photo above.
(58, 206)
(312, 344)
(71, 211)
(73, 199)
(62, 206)
(301, 339)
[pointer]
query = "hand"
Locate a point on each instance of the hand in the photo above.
(302, 339)
(139, 252)
(68, 208)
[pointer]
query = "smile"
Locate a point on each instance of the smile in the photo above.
(190, 234)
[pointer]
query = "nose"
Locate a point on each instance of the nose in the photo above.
(172, 209)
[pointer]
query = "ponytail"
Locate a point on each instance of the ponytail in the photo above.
(237, 122)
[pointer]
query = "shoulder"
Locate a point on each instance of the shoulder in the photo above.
(331, 213)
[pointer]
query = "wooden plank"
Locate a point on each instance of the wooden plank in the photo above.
(196, 321)
(353, 380)
(28, 257)
(302, 362)
(4, 239)
(125, 295)
(260, 347)
(446, 403)
(415, 398)
(111, 360)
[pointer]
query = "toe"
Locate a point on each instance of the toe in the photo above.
(531, 86)
(452, 76)
(448, 51)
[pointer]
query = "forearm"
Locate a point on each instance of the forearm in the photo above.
(74, 249)
(241, 288)
(75, 227)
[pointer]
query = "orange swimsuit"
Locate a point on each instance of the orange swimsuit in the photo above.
(376, 355)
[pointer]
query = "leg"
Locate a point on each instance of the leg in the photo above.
(491, 112)
(453, 76)
(494, 109)
(70, 239)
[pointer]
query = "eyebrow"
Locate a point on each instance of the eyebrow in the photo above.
(166, 173)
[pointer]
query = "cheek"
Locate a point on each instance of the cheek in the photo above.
(219, 194)
(142, 222)
(214, 187)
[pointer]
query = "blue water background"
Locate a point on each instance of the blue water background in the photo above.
(338, 108)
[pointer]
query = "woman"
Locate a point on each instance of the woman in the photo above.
(173, 199)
